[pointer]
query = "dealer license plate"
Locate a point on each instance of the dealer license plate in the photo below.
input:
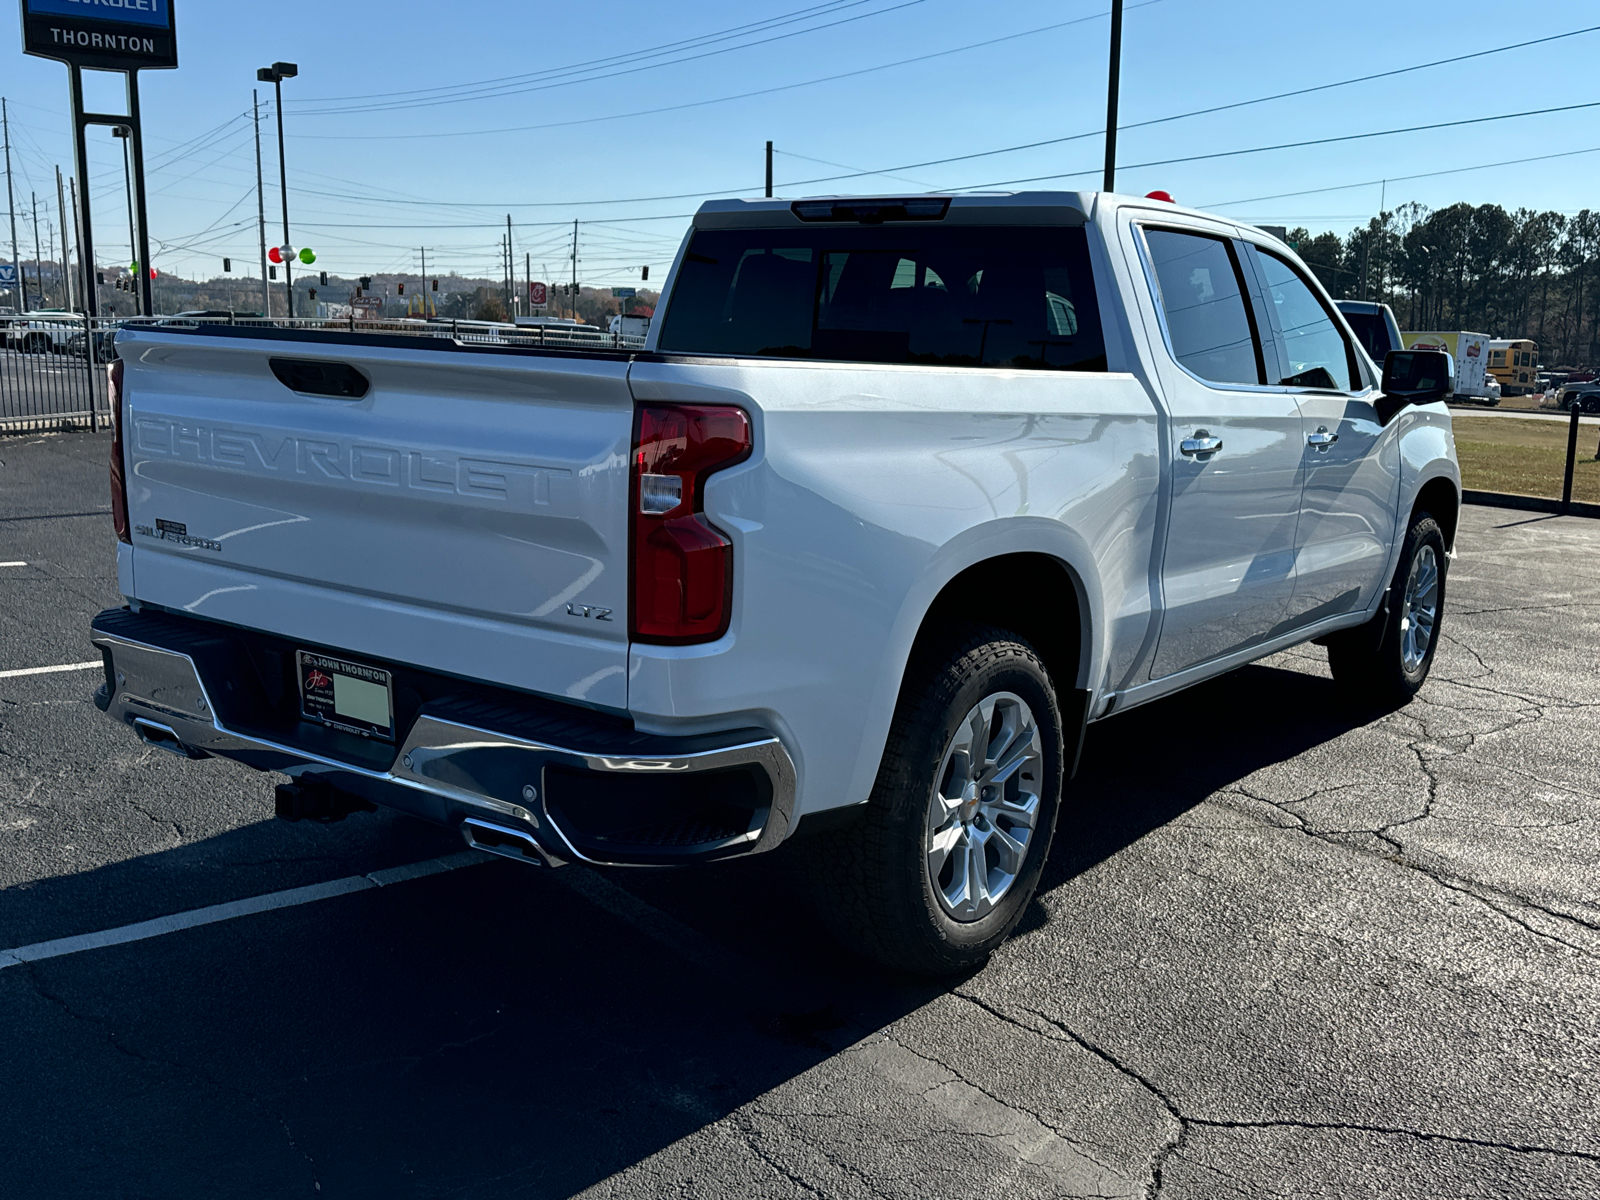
(346, 695)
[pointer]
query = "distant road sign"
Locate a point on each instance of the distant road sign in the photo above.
(538, 294)
(8, 274)
(367, 306)
(623, 293)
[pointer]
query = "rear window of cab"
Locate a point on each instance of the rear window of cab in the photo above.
(966, 296)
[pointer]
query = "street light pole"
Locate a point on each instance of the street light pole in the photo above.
(122, 131)
(275, 75)
(1113, 84)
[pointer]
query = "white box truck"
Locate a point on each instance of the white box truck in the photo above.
(1471, 352)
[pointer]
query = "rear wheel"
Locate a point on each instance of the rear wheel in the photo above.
(942, 863)
(36, 343)
(1386, 661)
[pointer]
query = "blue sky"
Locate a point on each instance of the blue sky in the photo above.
(378, 166)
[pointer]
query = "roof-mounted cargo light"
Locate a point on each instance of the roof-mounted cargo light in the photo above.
(873, 212)
(1163, 196)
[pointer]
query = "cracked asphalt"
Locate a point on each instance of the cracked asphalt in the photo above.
(1282, 949)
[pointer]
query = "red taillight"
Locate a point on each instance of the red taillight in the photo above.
(682, 564)
(119, 482)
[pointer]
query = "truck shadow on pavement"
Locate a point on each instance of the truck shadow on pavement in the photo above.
(493, 1031)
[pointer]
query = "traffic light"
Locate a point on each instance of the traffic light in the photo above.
(436, 285)
(272, 272)
(324, 279)
(644, 273)
(312, 292)
(101, 275)
(227, 264)
(399, 289)
(366, 282)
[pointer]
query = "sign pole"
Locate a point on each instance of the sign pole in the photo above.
(136, 143)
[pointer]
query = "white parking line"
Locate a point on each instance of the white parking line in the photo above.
(83, 666)
(13, 564)
(196, 917)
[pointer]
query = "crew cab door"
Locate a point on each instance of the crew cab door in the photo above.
(1352, 478)
(1236, 453)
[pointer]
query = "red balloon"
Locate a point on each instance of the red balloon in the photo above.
(275, 254)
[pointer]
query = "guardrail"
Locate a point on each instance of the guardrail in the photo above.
(53, 366)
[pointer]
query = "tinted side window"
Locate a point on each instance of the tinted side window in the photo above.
(1202, 295)
(1372, 333)
(947, 295)
(1314, 350)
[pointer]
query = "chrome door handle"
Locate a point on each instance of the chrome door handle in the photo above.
(1201, 443)
(1321, 439)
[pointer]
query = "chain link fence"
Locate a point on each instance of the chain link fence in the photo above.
(53, 368)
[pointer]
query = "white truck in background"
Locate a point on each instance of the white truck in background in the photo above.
(900, 495)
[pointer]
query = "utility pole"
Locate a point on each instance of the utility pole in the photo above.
(38, 263)
(261, 208)
(527, 282)
(11, 207)
(1113, 83)
(276, 74)
(511, 274)
(769, 170)
(86, 279)
(66, 252)
(424, 250)
(574, 270)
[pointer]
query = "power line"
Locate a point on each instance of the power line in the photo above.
(786, 87)
(542, 87)
(502, 205)
(1509, 162)
(782, 18)
(1326, 141)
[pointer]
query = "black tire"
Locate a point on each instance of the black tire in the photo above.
(1376, 664)
(36, 343)
(872, 879)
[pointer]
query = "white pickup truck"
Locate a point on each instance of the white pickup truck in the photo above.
(900, 495)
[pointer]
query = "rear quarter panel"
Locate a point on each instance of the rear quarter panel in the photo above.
(871, 487)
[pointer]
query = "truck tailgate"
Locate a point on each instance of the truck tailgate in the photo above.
(467, 514)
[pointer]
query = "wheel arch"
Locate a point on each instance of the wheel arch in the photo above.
(1440, 497)
(1024, 551)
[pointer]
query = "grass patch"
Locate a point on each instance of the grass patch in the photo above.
(1525, 458)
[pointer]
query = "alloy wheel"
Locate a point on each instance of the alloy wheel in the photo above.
(984, 810)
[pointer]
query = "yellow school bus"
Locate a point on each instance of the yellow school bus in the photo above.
(1512, 362)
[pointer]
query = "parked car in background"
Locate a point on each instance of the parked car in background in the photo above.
(104, 343)
(1584, 396)
(1471, 352)
(1374, 326)
(44, 330)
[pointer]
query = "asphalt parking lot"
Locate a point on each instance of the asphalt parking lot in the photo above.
(1281, 949)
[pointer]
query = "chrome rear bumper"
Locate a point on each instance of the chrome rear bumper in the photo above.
(166, 678)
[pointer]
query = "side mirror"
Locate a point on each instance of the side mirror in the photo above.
(1414, 377)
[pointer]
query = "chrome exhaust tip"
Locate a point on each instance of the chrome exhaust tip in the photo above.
(505, 841)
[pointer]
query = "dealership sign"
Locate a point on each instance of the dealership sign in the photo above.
(111, 35)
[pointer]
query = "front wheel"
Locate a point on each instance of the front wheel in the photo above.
(941, 865)
(1386, 661)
